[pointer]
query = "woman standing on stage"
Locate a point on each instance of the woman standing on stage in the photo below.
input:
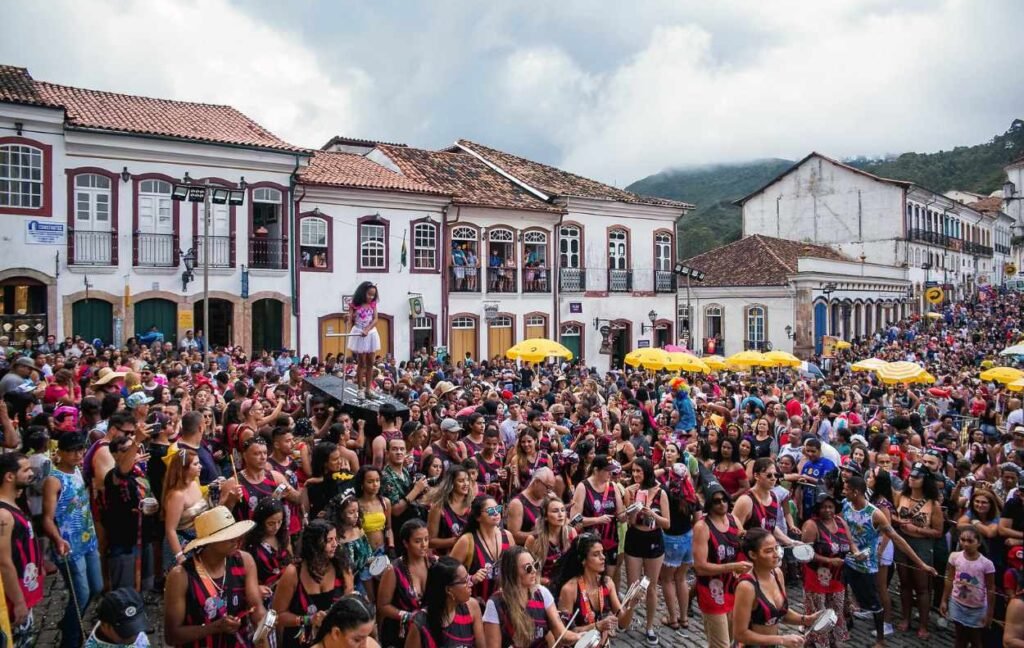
(363, 341)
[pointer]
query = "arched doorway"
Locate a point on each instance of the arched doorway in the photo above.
(463, 338)
(501, 334)
(623, 342)
(221, 331)
(23, 310)
(334, 325)
(267, 325)
(161, 313)
(820, 324)
(93, 318)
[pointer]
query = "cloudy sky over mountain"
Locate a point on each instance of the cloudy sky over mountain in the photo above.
(614, 90)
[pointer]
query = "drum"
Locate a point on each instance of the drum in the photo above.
(803, 552)
(825, 622)
(266, 627)
(378, 565)
(589, 639)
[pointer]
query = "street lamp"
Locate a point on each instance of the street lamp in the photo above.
(189, 259)
(684, 270)
(828, 289)
(653, 317)
(208, 195)
(789, 332)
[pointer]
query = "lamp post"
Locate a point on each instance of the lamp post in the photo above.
(681, 269)
(828, 289)
(652, 317)
(209, 196)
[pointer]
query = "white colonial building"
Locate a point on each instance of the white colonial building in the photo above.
(940, 241)
(497, 249)
(762, 293)
(93, 242)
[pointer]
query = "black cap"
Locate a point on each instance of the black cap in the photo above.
(125, 611)
(71, 441)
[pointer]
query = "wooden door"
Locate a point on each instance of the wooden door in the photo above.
(499, 336)
(339, 345)
(93, 318)
(463, 339)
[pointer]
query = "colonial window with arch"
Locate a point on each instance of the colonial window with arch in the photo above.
(570, 247)
(464, 323)
(713, 322)
(373, 244)
(268, 246)
(618, 249)
(757, 327)
(424, 246)
(535, 261)
(315, 242)
(501, 260)
(664, 275)
(465, 259)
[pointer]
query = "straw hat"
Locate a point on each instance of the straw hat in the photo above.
(443, 387)
(106, 374)
(218, 525)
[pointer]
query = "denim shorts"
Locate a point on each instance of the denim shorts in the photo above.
(965, 616)
(679, 549)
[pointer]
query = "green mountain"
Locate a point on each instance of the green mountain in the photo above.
(713, 189)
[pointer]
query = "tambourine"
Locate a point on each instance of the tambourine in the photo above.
(589, 639)
(803, 552)
(378, 565)
(635, 591)
(825, 622)
(266, 627)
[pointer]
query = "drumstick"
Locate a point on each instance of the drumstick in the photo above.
(567, 626)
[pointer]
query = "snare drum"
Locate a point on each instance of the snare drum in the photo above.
(589, 639)
(378, 565)
(803, 553)
(266, 627)
(825, 622)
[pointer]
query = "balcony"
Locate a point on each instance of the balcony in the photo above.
(620, 280)
(501, 280)
(664, 281)
(1002, 249)
(463, 280)
(156, 250)
(221, 251)
(91, 248)
(977, 249)
(268, 253)
(755, 345)
(927, 236)
(536, 280)
(572, 280)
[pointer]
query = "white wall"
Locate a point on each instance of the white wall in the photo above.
(735, 302)
(822, 202)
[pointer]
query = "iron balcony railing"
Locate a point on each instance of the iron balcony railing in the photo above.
(92, 248)
(572, 280)
(156, 250)
(536, 280)
(462, 279)
(664, 281)
(220, 251)
(268, 253)
(620, 280)
(501, 280)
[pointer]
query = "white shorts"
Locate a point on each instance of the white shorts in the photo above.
(885, 560)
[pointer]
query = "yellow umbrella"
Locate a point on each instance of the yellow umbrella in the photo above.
(899, 372)
(716, 362)
(925, 378)
(648, 358)
(782, 359)
(843, 344)
(537, 350)
(748, 359)
(870, 364)
(933, 316)
(1016, 385)
(987, 364)
(680, 361)
(1001, 374)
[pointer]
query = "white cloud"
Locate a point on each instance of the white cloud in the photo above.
(192, 50)
(833, 77)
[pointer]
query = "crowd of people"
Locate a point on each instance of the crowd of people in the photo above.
(508, 504)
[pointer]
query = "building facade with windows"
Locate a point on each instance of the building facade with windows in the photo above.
(819, 200)
(767, 293)
(94, 243)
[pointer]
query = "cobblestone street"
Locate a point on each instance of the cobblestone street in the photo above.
(48, 615)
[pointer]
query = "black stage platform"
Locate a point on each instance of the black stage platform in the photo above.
(344, 397)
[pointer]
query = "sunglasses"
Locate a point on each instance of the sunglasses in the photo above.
(718, 500)
(494, 510)
(771, 475)
(531, 567)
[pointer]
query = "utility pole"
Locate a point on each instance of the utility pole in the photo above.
(207, 209)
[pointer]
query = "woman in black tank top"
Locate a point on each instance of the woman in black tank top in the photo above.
(452, 618)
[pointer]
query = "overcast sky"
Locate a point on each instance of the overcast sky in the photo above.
(612, 90)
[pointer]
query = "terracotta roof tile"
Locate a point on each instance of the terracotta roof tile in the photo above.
(142, 115)
(757, 261)
(350, 170)
(353, 141)
(989, 204)
(465, 177)
(556, 182)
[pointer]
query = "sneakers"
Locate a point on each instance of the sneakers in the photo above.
(887, 629)
(652, 639)
(863, 614)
